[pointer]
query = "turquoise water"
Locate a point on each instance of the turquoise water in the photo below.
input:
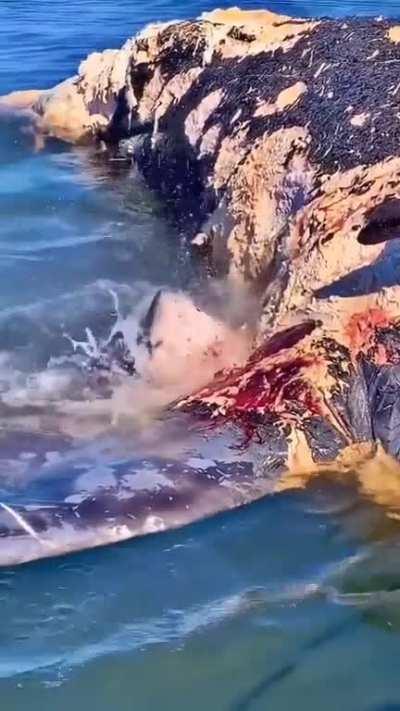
(293, 602)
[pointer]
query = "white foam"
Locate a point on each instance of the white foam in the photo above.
(190, 346)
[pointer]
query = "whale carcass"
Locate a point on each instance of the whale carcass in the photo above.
(274, 141)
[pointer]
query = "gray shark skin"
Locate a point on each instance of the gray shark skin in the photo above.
(76, 505)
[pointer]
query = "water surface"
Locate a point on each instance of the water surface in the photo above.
(291, 603)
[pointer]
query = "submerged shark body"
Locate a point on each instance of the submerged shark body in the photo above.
(86, 510)
(276, 140)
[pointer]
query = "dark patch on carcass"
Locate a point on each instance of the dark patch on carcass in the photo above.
(384, 397)
(343, 76)
(273, 435)
(140, 73)
(383, 383)
(324, 440)
(183, 50)
(120, 124)
(239, 34)
(178, 179)
(383, 224)
(358, 409)
(389, 337)
(337, 51)
(348, 398)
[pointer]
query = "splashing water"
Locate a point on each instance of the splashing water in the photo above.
(109, 353)
(154, 348)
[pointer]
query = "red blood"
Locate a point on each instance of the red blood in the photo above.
(361, 328)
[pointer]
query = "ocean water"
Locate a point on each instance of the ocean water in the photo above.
(293, 602)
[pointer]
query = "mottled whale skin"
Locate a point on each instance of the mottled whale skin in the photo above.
(275, 142)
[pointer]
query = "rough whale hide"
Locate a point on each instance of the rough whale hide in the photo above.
(275, 141)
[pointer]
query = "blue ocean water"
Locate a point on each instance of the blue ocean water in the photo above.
(293, 602)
